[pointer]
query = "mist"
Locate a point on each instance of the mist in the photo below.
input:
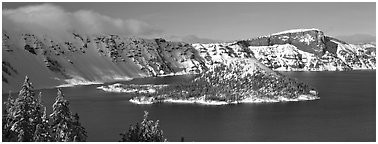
(49, 18)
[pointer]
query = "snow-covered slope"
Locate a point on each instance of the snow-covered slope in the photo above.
(79, 58)
(295, 31)
(87, 59)
(310, 50)
(294, 50)
(357, 56)
(289, 58)
(226, 53)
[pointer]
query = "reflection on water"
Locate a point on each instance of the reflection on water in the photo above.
(345, 112)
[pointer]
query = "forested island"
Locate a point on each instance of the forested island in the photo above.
(238, 82)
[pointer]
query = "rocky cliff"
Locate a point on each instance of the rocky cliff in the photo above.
(82, 59)
(310, 50)
(77, 58)
(309, 40)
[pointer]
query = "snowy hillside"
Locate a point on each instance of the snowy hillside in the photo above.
(78, 58)
(88, 59)
(310, 50)
(294, 50)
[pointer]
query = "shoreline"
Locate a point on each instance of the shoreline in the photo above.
(100, 83)
(201, 101)
(182, 74)
(324, 70)
(131, 88)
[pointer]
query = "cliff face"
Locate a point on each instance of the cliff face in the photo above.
(309, 40)
(310, 50)
(77, 58)
(82, 59)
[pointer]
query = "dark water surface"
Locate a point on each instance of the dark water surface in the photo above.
(345, 112)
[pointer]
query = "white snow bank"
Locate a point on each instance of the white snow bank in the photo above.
(279, 99)
(78, 81)
(202, 101)
(295, 31)
(137, 101)
(121, 88)
(189, 101)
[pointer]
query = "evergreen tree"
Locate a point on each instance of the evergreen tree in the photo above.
(7, 134)
(146, 131)
(79, 134)
(42, 132)
(65, 126)
(23, 115)
(25, 119)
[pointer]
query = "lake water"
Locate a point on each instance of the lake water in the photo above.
(345, 112)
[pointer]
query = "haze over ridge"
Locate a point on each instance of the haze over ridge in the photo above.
(200, 21)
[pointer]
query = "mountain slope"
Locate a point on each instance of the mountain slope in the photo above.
(82, 59)
(310, 50)
(78, 58)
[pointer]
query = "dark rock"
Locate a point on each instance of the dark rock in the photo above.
(30, 49)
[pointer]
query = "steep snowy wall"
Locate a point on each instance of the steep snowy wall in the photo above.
(80, 58)
(88, 59)
(310, 50)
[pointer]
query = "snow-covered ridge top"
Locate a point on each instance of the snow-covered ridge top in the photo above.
(215, 43)
(283, 32)
(295, 31)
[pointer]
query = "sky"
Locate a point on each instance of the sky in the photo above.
(221, 21)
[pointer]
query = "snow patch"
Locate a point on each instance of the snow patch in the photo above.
(307, 39)
(78, 81)
(202, 100)
(279, 99)
(142, 100)
(121, 88)
(295, 31)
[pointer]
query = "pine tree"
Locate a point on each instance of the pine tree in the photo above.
(65, 126)
(7, 134)
(61, 118)
(25, 119)
(146, 131)
(79, 134)
(42, 132)
(41, 128)
(23, 115)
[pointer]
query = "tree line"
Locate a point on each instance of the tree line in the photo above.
(25, 120)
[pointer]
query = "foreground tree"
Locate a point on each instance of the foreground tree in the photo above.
(25, 119)
(22, 115)
(65, 126)
(78, 132)
(43, 132)
(7, 134)
(146, 131)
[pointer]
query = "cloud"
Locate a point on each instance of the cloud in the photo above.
(48, 18)
(191, 39)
